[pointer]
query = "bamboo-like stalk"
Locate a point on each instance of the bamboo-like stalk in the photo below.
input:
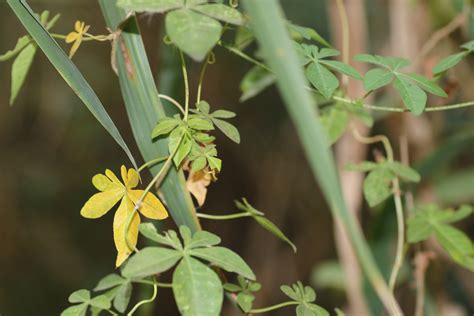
(144, 109)
(267, 22)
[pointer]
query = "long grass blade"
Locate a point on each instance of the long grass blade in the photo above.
(267, 22)
(67, 69)
(144, 109)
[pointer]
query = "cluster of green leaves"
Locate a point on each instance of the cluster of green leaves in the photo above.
(244, 290)
(431, 220)
(196, 287)
(317, 63)
(259, 78)
(83, 301)
(189, 138)
(378, 183)
(454, 59)
(410, 86)
(260, 218)
(192, 25)
(25, 51)
(305, 296)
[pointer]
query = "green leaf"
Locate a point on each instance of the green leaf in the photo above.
(413, 97)
(228, 129)
(221, 12)
(224, 114)
(204, 239)
(254, 82)
(214, 163)
(203, 107)
(122, 298)
(377, 78)
(363, 166)
(76, 310)
(199, 164)
(427, 85)
(165, 126)
(109, 281)
(200, 124)
(79, 296)
(322, 79)
(101, 302)
(197, 289)
(68, 70)
(334, 120)
(448, 63)
(371, 59)
(149, 231)
(311, 310)
(456, 243)
(291, 293)
(193, 33)
(176, 138)
(20, 45)
(150, 261)
(468, 46)
(224, 258)
(404, 171)
(183, 151)
(150, 5)
(342, 68)
(327, 52)
(21, 67)
(377, 186)
(245, 301)
(273, 229)
(307, 33)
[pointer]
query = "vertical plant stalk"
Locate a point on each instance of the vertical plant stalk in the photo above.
(398, 205)
(144, 109)
(347, 15)
(267, 22)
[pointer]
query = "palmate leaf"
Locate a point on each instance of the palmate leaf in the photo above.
(430, 220)
(197, 289)
(67, 69)
(377, 186)
(322, 79)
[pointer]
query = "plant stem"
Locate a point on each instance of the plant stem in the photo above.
(173, 101)
(398, 205)
(152, 162)
(157, 179)
(223, 217)
(272, 308)
(186, 85)
(151, 299)
(201, 78)
(245, 56)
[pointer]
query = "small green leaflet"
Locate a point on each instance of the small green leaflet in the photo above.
(429, 220)
(306, 33)
(378, 183)
(306, 296)
(118, 288)
(413, 96)
(454, 59)
(192, 26)
(244, 290)
(229, 130)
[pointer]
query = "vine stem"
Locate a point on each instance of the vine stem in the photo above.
(201, 77)
(151, 299)
(152, 162)
(223, 217)
(272, 308)
(156, 180)
(398, 205)
(186, 85)
(173, 101)
(354, 102)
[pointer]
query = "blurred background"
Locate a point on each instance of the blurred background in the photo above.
(51, 146)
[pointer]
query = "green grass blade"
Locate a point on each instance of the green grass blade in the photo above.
(67, 69)
(144, 109)
(270, 31)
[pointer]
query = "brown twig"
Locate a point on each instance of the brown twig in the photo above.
(421, 262)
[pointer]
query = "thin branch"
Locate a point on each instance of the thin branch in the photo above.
(173, 101)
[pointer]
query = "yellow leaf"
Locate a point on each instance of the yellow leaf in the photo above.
(151, 206)
(120, 223)
(113, 177)
(79, 26)
(71, 37)
(101, 203)
(133, 178)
